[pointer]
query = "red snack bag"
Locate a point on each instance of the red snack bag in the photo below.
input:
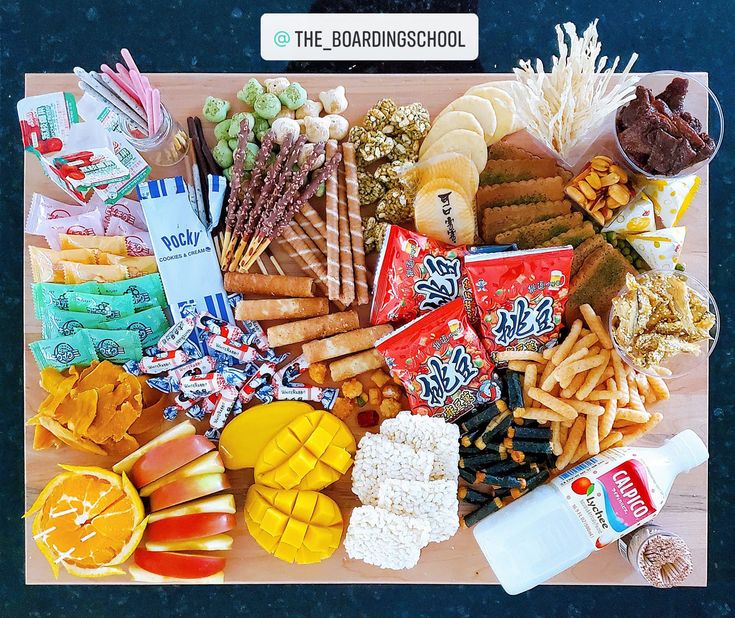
(520, 296)
(415, 274)
(440, 360)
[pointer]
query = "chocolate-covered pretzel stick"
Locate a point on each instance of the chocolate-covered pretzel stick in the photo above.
(355, 219)
(236, 183)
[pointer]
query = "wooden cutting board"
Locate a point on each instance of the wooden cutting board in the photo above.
(458, 560)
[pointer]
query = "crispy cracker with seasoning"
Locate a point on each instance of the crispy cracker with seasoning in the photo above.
(575, 236)
(504, 218)
(530, 236)
(522, 192)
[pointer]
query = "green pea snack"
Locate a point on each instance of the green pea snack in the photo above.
(63, 352)
(56, 294)
(222, 154)
(267, 106)
(261, 128)
(109, 306)
(221, 129)
(237, 119)
(251, 151)
(215, 110)
(60, 323)
(294, 96)
(116, 346)
(250, 91)
(149, 325)
(147, 291)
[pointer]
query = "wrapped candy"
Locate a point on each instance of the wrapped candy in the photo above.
(672, 198)
(661, 249)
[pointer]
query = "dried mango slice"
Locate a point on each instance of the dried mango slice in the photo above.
(293, 525)
(311, 452)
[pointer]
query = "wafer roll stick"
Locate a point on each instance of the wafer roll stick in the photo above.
(356, 364)
(298, 243)
(311, 232)
(346, 272)
(313, 328)
(269, 285)
(346, 343)
(355, 219)
(332, 225)
(315, 219)
(312, 247)
(281, 308)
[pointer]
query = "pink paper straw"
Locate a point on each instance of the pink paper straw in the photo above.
(121, 81)
(149, 112)
(129, 59)
(157, 116)
(138, 85)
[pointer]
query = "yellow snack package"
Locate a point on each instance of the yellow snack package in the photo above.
(137, 265)
(108, 244)
(102, 273)
(46, 264)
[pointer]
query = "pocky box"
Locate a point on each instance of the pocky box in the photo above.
(440, 360)
(520, 296)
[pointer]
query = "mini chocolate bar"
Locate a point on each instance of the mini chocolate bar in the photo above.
(469, 520)
(497, 425)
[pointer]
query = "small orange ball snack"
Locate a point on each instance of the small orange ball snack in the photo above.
(88, 520)
(352, 388)
(94, 410)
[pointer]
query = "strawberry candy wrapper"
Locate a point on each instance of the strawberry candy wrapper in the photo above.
(441, 362)
(520, 296)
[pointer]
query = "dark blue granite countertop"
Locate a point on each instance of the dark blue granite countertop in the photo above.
(218, 36)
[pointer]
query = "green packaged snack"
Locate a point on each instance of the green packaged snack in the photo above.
(150, 325)
(63, 352)
(116, 346)
(109, 306)
(147, 291)
(60, 323)
(56, 294)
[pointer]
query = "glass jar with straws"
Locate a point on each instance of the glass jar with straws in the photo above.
(166, 144)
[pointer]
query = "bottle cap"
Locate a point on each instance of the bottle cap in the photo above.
(688, 450)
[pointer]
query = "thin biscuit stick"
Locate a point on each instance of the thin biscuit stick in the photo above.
(301, 262)
(311, 232)
(314, 218)
(297, 241)
(353, 209)
(346, 272)
(332, 227)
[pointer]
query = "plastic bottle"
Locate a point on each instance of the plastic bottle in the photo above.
(559, 524)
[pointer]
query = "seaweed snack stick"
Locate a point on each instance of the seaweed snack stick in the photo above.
(355, 220)
(281, 308)
(313, 328)
(269, 285)
(356, 364)
(346, 272)
(332, 228)
(346, 343)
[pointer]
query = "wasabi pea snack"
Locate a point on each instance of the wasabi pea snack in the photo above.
(261, 128)
(232, 143)
(237, 119)
(250, 91)
(221, 130)
(267, 106)
(293, 97)
(227, 173)
(222, 154)
(250, 153)
(215, 110)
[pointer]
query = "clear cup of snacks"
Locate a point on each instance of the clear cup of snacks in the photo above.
(685, 141)
(669, 345)
(167, 146)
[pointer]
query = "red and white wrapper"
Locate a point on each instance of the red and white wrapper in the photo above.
(205, 364)
(137, 241)
(227, 398)
(165, 361)
(202, 385)
(45, 209)
(209, 403)
(242, 352)
(288, 374)
(182, 403)
(217, 326)
(260, 377)
(325, 396)
(176, 335)
(126, 209)
(84, 224)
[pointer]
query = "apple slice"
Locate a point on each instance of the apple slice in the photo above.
(206, 464)
(188, 488)
(223, 503)
(216, 542)
(183, 566)
(178, 431)
(146, 577)
(185, 527)
(167, 457)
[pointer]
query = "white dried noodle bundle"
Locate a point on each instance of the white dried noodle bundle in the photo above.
(559, 106)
